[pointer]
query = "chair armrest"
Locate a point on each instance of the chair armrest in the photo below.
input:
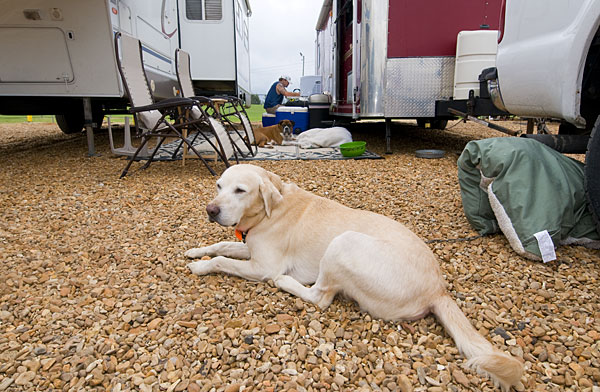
(200, 99)
(229, 98)
(164, 104)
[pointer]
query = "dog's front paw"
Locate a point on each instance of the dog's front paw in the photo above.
(200, 267)
(195, 253)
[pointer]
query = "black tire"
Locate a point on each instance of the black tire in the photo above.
(434, 123)
(566, 128)
(73, 121)
(592, 173)
(439, 124)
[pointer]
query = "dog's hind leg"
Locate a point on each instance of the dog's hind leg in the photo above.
(332, 270)
(316, 294)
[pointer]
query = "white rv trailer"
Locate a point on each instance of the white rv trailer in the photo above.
(57, 56)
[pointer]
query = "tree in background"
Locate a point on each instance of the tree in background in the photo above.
(255, 99)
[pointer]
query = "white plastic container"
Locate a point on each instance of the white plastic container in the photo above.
(310, 85)
(475, 51)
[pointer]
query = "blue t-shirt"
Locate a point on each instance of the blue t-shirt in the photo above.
(273, 98)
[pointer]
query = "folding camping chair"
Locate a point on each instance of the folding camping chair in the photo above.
(165, 119)
(228, 110)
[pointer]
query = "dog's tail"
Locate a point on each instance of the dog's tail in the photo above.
(482, 356)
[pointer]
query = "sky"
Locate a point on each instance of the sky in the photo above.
(279, 31)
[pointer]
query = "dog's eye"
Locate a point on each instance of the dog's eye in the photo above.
(239, 190)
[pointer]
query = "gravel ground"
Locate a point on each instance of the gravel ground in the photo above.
(96, 295)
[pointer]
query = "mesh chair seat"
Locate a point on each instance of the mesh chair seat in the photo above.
(228, 110)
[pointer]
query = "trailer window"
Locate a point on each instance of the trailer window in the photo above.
(204, 9)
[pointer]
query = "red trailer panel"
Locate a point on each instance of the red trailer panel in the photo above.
(430, 27)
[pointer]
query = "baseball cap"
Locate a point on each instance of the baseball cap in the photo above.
(286, 77)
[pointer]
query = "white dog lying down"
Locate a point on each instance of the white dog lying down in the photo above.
(297, 238)
(323, 137)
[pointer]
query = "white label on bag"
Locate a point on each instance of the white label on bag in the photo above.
(546, 245)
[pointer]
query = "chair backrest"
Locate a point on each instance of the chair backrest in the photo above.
(131, 67)
(184, 76)
(248, 128)
(223, 137)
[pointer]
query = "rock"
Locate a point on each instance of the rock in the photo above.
(460, 377)
(315, 326)
(285, 319)
(500, 331)
(154, 323)
(272, 328)
(538, 331)
(361, 349)
(32, 365)
(233, 387)
(39, 350)
(302, 350)
(25, 378)
(238, 323)
(193, 387)
(404, 384)
(47, 363)
(339, 380)
(4, 384)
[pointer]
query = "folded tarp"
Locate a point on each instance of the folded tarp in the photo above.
(530, 192)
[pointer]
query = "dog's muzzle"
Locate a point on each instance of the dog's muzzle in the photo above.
(213, 212)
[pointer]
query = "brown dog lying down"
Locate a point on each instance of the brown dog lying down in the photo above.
(273, 133)
(297, 238)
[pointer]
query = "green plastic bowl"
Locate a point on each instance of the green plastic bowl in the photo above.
(353, 149)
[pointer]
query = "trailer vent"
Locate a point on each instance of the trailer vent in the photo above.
(204, 9)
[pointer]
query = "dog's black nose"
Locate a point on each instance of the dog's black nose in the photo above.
(213, 210)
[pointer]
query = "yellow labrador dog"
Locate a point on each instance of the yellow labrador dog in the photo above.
(297, 238)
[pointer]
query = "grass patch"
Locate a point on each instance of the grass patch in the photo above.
(254, 113)
(22, 119)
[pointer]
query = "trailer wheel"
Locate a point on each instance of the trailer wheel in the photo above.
(73, 121)
(434, 123)
(592, 173)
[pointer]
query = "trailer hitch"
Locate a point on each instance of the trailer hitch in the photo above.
(466, 116)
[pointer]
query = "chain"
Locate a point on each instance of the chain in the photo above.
(436, 241)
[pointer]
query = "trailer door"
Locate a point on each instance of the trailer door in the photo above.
(207, 34)
(347, 55)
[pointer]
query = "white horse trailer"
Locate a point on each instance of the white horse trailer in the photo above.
(58, 56)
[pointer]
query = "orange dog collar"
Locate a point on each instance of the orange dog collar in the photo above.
(240, 235)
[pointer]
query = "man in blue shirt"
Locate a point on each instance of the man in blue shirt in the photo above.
(276, 93)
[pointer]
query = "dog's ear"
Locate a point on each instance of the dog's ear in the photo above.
(270, 189)
(293, 123)
(281, 123)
